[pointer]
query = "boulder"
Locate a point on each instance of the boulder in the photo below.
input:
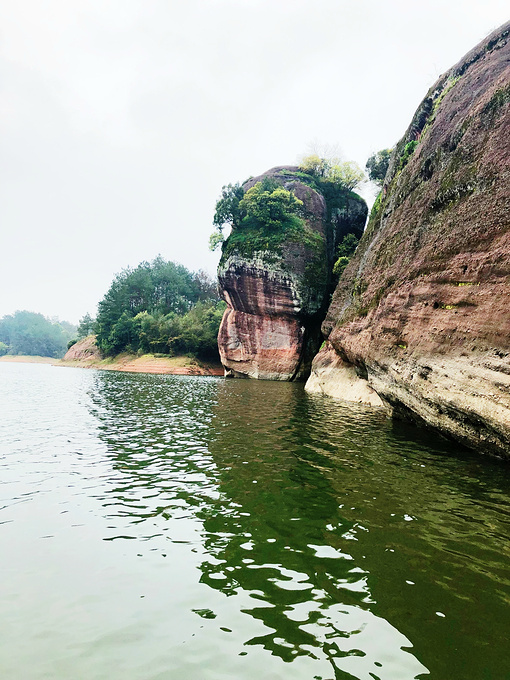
(277, 296)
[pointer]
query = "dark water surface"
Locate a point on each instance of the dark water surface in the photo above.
(164, 527)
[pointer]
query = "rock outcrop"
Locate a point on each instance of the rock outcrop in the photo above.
(422, 312)
(277, 294)
(84, 350)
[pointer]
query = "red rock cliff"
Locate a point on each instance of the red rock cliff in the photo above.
(277, 297)
(422, 312)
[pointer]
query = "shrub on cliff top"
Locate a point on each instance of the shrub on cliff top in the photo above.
(267, 205)
(347, 175)
(261, 216)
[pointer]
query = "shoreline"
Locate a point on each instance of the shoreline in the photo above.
(27, 359)
(129, 363)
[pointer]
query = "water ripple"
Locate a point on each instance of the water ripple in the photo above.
(227, 529)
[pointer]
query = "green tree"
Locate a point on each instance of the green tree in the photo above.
(198, 330)
(86, 326)
(344, 252)
(377, 165)
(315, 165)
(270, 206)
(228, 212)
(33, 334)
(347, 246)
(141, 300)
(123, 335)
(347, 175)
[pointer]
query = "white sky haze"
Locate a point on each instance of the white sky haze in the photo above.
(122, 119)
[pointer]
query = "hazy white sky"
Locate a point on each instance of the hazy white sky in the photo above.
(122, 119)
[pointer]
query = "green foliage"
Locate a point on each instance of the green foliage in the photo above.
(272, 215)
(377, 204)
(198, 330)
(228, 211)
(315, 165)
(251, 240)
(268, 206)
(194, 332)
(86, 326)
(344, 253)
(3, 349)
(340, 265)
(347, 246)
(407, 153)
(143, 305)
(347, 175)
(71, 343)
(377, 165)
(216, 239)
(33, 334)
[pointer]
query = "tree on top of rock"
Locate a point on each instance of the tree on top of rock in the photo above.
(269, 206)
(266, 206)
(345, 174)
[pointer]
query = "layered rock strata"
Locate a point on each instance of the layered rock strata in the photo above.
(422, 312)
(277, 298)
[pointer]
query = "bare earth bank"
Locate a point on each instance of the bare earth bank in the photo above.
(147, 363)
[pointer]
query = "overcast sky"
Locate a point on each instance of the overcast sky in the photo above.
(122, 119)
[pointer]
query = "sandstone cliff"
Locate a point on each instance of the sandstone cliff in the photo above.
(277, 286)
(422, 312)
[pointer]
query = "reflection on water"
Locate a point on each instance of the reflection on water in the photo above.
(201, 528)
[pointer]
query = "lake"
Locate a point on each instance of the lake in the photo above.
(166, 527)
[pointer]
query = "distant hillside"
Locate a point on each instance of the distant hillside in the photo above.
(29, 333)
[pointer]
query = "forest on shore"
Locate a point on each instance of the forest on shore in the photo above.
(29, 333)
(158, 307)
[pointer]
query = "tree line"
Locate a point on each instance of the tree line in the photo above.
(29, 333)
(158, 307)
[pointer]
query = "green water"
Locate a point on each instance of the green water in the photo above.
(161, 527)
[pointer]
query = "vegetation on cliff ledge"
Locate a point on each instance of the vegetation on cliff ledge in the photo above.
(269, 215)
(261, 219)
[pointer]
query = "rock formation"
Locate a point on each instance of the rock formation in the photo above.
(84, 350)
(422, 312)
(277, 294)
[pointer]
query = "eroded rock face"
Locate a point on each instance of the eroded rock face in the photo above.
(83, 349)
(337, 378)
(422, 312)
(277, 300)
